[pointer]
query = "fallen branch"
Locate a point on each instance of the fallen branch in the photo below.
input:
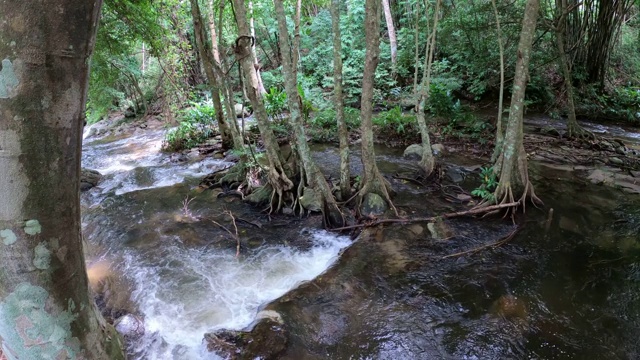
(473, 211)
(492, 245)
(235, 227)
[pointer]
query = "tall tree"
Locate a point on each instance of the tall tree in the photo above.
(499, 135)
(511, 163)
(256, 64)
(311, 174)
(560, 26)
(372, 181)
(229, 131)
(343, 132)
(427, 162)
(276, 174)
(45, 308)
(391, 30)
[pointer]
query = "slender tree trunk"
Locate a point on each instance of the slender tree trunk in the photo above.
(499, 134)
(256, 64)
(276, 175)
(391, 30)
(427, 162)
(46, 311)
(314, 177)
(511, 164)
(343, 132)
(208, 60)
(213, 33)
(372, 181)
(296, 34)
(417, 50)
(574, 129)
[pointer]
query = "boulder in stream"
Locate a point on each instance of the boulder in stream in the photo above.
(89, 178)
(373, 205)
(267, 340)
(130, 326)
(414, 151)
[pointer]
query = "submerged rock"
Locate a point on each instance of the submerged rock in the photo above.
(88, 179)
(440, 230)
(373, 205)
(510, 307)
(267, 340)
(130, 326)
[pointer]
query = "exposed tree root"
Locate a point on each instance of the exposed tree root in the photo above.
(473, 211)
(493, 245)
(575, 131)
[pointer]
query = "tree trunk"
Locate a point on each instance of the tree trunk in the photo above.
(499, 134)
(391, 30)
(343, 132)
(296, 35)
(207, 59)
(231, 137)
(213, 33)
(574, 129)
(372, 181)
(256, 64)
(276, 175)
(427, 162)
(46, 311)
(314, 177)
(511, 164)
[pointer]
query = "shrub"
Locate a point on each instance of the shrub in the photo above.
(196, 126)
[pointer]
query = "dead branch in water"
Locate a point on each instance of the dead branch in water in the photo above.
(235, 227)
(474, 211)
(494, 245)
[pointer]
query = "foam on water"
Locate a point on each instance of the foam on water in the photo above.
(184, 293)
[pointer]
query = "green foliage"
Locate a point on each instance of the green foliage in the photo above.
(275, 102)
(195, 127)
(395, 121)
(323, 127)
(488, 185)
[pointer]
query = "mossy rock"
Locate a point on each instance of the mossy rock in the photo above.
(373, 205)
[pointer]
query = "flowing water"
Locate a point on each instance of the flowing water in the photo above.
(567, 286)
(182, 275)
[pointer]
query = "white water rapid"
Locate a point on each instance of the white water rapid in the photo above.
(183, 291)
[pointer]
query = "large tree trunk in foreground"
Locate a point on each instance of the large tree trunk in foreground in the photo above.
(314, 177)
(511, 164)
(372, 181)
(391, 30)
(228, 130)
(427, 162)
(45, 308)
(276, 174)
(343, 132)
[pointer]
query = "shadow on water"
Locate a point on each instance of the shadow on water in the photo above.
(567, 288)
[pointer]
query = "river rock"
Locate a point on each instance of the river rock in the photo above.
(373, 205)
(309, 200)
(616, 161)
(438, 149)
(241, 111)
(267, 340)
(413, 152)
(510, 307)
(440, 230)
(89, 178)
(130, 326)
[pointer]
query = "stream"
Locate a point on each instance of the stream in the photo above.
(566, 286)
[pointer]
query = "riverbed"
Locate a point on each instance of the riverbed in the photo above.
(566, 286)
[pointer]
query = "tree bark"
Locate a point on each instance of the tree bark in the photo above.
(231, 137)
(574, 129)
(296, 35)
(499, 134)
(372, 181)
(46, 311)
(391, 30)
(314, 177)
(343, 132)
(256, 64)
(511, 164)
(276, 175)
(427, 162)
